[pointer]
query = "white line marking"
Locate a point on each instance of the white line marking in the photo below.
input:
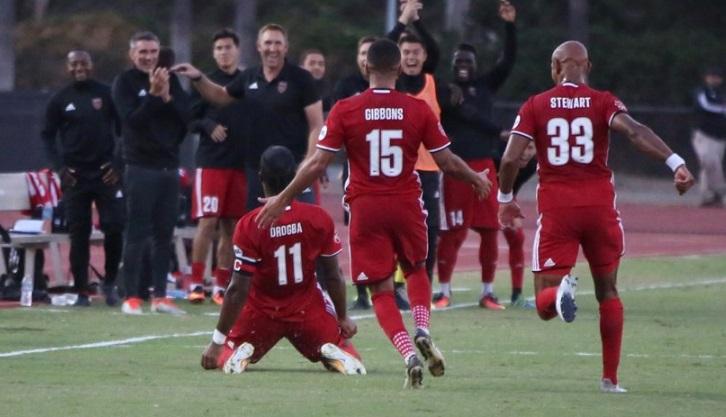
(142, 339)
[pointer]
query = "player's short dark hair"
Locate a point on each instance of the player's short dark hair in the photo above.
(409, 37)
(277, 168)
(466, 47)
(143, 36)
(310, 51)
(366, 39)
(224, 34)
(383, 55)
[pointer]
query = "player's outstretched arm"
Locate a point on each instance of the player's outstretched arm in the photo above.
(452, 165)
(310, 170)
(210, 91)
(234, 299)
(335, 284)
(509, 210)
(651, 144)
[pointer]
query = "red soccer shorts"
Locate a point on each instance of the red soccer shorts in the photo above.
(462, 208)
(219, 192)
(384, 230)
(560, 232)
(307, 331)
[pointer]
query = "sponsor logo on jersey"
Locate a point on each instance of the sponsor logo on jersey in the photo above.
(282, 87)
(362, 277)
(253, 86)
(516, 122)
(237, 252)
(549, 263)
(97, 103)
(70, 107)
(323, 132)
(142, 93)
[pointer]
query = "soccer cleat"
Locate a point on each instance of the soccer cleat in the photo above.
(166, 306)
(414, 373)
(196, 295)
(132, 306)
(82, 301)
(431, 354)
(565, 301)
(360, 303)
(218, 297)
(440, 301)
(522, 303)
(606, 385)
(239, 359)
(490, 302)
(111, 294)
(337, 360)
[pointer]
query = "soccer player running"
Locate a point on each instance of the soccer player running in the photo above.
(576, 198)
(382, 130)
(220, 185)
(274, 285)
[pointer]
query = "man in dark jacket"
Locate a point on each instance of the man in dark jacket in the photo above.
(154, 112)
(84, 116)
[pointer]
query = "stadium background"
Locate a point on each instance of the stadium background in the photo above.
(650, 53)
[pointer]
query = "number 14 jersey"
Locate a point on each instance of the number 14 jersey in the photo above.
(381, 130)
(570, 126)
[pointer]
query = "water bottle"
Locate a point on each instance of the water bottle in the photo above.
(26, 291)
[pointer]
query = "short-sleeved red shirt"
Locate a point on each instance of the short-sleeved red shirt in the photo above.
(381, 130)
(570, 126)
(281, 258)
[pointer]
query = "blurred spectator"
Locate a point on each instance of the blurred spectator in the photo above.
(313, 60)
(709, 137)
(154, 112)
(83, 114)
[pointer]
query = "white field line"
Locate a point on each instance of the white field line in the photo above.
(141, 339)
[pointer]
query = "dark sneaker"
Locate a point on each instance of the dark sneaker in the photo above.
(565, 302)
(360, 303)
(431, 354)
(82, 301)
(414, 373)
(111, 295)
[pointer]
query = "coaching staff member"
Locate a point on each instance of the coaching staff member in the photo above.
(288, 109)
(84, 115)
(155, 112)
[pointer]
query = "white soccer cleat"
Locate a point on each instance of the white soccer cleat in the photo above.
(606, 385)
(338, 360)
(565, 302)
(240, 359)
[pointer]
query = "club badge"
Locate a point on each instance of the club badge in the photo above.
(97, 103)
(282, 87)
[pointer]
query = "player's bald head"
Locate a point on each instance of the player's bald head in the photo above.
(570, 61)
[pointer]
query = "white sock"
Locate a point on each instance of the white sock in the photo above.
(486, 288)
(445, 288)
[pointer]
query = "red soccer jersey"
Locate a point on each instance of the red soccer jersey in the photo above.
(281, 258)
(381, 130)
(570, 126)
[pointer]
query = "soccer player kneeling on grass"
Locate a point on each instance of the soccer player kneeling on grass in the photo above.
(274, 286)
(569, 125)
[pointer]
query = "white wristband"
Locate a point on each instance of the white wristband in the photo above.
(505, 198)
(218, 337)
(674, 161)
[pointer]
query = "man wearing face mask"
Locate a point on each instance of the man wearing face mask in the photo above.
(84, 115)
(475, 138)
(154, 112)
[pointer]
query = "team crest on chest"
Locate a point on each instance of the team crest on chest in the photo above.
(472, 91)
(282, 87)
(97, 103)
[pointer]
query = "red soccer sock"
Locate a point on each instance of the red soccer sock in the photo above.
(418, 288)
(347, 346)
(390, 320)
(611, 334)
(545, 301)
(488, 253)
(222, 276)
(515, 241)
(198, 273)
(449, 243)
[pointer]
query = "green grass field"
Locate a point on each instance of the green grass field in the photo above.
(499, 363)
